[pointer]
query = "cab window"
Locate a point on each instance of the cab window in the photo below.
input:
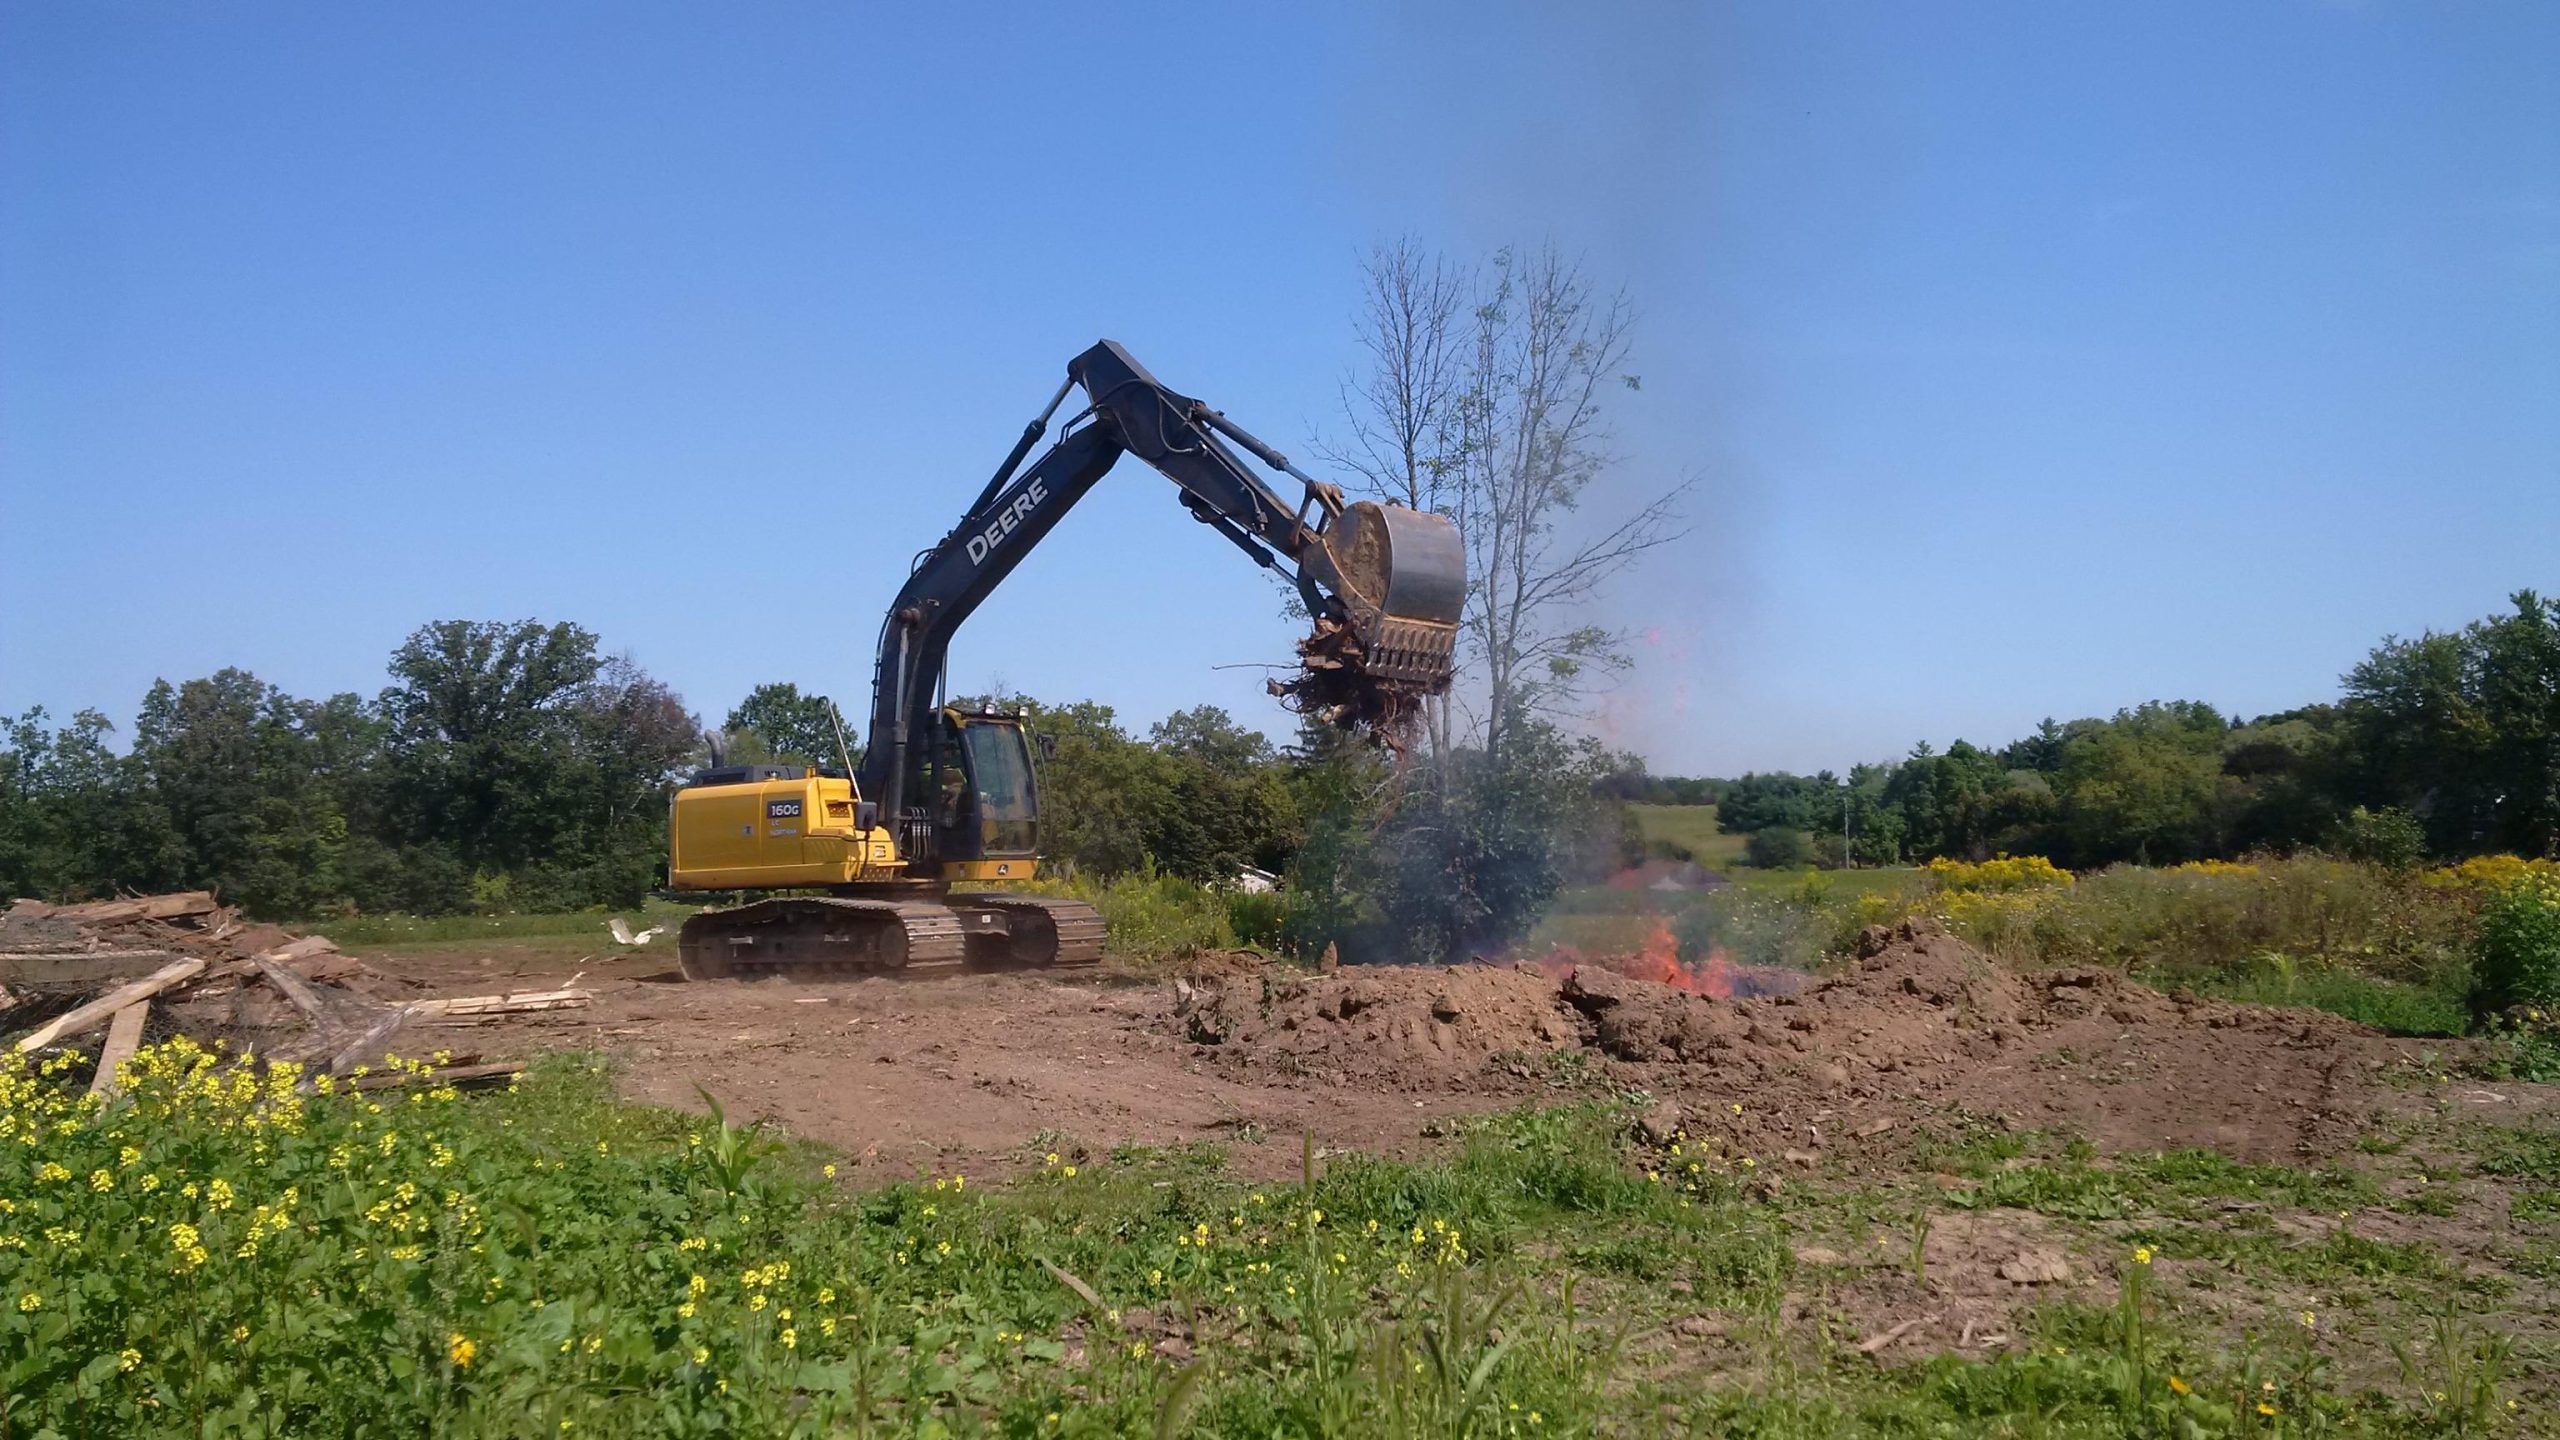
(999, 766)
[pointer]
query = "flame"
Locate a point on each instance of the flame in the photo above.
(1658, 960)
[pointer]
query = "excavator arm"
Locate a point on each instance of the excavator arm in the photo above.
(1383, 583)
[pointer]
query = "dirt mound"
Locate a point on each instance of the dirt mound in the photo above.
(1918, 1021)
(1394, 1023)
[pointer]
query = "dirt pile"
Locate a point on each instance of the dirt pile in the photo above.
(1398, 1025)
(1917, 1019)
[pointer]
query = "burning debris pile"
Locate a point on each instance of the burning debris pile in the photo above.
(1915, 1015)
(122, 973)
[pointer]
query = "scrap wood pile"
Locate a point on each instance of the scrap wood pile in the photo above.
(115, 973)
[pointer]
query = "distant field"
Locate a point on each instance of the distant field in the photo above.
(1690, 830)
(1832, 883)
(570, 928)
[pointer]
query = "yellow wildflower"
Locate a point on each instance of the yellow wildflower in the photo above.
(2178, 1385)
(459, 1349)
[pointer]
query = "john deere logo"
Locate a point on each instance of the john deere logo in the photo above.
(1000, 528)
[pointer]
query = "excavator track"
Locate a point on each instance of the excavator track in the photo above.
(830, 938)
(822, 939)
(1038, 932)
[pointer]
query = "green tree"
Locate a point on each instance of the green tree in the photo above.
(238, 767)
(2146, 786)
(1779, 847)
(1228, 804)
(797, 728)
(1475, 847)
(523, 769)
(77, 820)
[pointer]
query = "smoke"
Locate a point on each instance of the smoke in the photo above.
(1607, 132)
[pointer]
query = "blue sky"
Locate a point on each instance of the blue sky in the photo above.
(2034, 359)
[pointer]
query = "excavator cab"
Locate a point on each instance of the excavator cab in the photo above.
(986, 819)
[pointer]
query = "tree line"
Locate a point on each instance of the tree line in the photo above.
(2447, 745)
(506, 765)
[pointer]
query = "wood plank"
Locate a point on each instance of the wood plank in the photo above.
(68, 953)
(368, 1046)
(303, 948)
(83, 1019)
(461, 1076)
(124, 1036)
(524, 1000)
(143, 907)
(295, 988)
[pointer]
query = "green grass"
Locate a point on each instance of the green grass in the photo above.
(2395, 1007)
(373, 932)
(548, 1261)
(1688, 832)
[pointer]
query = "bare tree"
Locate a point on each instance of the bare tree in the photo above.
(1543, 352)
(1481, 397)
(1401, 406)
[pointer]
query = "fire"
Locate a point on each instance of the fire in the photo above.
(1658, 960)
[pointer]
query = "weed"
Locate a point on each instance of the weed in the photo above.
(2454, 1374)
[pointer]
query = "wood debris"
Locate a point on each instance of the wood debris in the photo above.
(186, 964)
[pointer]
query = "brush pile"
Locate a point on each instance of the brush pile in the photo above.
(116, 974)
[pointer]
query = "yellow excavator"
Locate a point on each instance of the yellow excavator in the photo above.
(948, 797)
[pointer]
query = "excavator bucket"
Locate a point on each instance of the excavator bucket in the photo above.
(1404, 580)
(1401, 585)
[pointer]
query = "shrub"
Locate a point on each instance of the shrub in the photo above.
(1779, 847)
(2516, 958)
(2001, 875)
(1153, 916)
(2390, 837)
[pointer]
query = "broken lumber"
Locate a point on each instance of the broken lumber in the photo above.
(71, 954)
(295, 988)
(459, 1076)
(522, 1000)
(124, 1036)
(146, 907)
(81, 1020)
(355, 1051)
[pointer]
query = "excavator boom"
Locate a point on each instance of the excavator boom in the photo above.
(1383, 586)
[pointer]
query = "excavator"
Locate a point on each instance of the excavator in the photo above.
(881, 862)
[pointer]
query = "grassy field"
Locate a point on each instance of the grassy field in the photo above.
(561, 928)
(1688, 831)
(223, 1256)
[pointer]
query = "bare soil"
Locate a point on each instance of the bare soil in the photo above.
(980, 1071)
